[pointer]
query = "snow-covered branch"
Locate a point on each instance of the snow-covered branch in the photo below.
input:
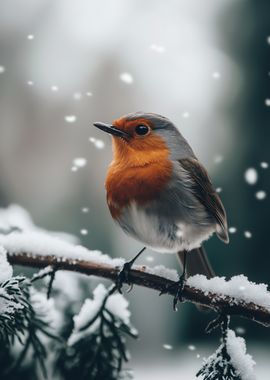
(235, 297)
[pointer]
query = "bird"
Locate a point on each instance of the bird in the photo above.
(159, 193)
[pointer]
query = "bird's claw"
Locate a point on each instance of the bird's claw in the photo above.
(177, 288)
(123, 276)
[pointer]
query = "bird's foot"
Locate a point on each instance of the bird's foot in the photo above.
(123, 276)
(177, 289)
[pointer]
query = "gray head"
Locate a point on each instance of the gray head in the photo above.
(141, 130)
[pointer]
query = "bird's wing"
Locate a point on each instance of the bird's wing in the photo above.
(205, 193)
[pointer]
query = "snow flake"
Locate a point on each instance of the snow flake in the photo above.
(30, 83)
(216, 75)
(248, 234)
(264, 165)
(30, 37)
(167, 346)
(54, 88)
(185, 115)
(70, 118)
(126, 78)
(191, 347)
(268, 40)
(218, 159)
(2, 69)
(77, 95)
(219, 189)
(260, 195)
(150, 259)
(89, 93)
(232, 230)
(157, 48)
(267, 102)
(251, 176)
(85, 210)
(84, 231)
(99, 144)
(79, 162)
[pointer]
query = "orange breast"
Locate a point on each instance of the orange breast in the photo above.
(125, 183)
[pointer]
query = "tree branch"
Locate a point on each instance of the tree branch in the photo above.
(140, 277)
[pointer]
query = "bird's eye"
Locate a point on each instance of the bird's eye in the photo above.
(141, 129)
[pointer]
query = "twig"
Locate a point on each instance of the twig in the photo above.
(224, 304)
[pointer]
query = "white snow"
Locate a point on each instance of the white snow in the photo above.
(79, 162)
(126, 78)
(218, 159)
(6, 270)
(191, 347)
(251, 176)
(185, 115)
(99, 144)
(85, 210)
(232, 230)
(216, 75)
(162, 271)
(84, 231)
(30, 37)
(116, 304)
(45, 308)
(2, 69)
(219, 189)
(70, 118)
(264, 165)
(157, 48)
(89, 93)
(77, 95)
(241, 361)
(167, 346)
(239, 288)
(267, 102)
(260, 195)
(44, 244)
(54, 88)
(248, 234)
(30, 83)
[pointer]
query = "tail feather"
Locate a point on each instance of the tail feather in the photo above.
(197, 263)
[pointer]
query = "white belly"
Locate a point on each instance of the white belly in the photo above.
(160, 233)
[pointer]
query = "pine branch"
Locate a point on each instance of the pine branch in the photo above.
(226, 305)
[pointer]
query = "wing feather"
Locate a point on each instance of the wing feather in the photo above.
(205, 193)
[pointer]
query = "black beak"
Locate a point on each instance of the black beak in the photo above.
(111, 129)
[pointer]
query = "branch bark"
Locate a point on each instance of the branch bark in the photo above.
(140, 277)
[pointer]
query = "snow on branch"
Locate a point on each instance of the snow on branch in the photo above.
(29, 245)
(237, 296)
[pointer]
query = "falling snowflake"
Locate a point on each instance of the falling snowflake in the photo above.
(99, 144)
(157, 48)
(219, 189)
(251, 176)
(167, 346)
(79, 162)
(84, 231)
(267, 102)
(54, 88)
(216, 75)
(260, 195)
(89, 93)
(2, 69)
(264, 165)
(248, 234)
(85, 210)
(74, 169)
(218, 159)
(240, 330)
(30, 37)
(77, 96)
(150, 259)
(126, 78)
(30, 83)
(185, 115)
(70, 118)
(232, 230)
(268, 40)
(191, 347)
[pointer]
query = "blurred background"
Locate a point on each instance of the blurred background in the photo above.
(66, 64)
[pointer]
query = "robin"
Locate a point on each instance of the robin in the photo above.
(160, 194)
